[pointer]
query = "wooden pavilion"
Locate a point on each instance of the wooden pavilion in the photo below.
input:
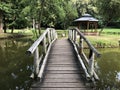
(87, 24)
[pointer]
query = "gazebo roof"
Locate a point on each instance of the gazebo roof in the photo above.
(86, 17)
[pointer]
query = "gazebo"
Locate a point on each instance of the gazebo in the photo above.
(88, 23)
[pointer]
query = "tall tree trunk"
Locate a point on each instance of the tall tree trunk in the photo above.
(34, 28)
(104, 26)
(40, 16)
(4, 23)
(1, 22)
(12, 30)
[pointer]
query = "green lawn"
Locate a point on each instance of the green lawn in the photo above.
(111, 30)
(105, 40)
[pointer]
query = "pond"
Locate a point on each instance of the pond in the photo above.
(15, 65)
(109, 69)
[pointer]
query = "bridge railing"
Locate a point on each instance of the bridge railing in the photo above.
(40, 50)
(87, 63)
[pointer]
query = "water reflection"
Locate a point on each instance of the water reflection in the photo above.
(15, 66)
(109, 69)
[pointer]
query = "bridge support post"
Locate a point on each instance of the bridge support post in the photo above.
(81, 45)
(44, 45)
(36, 64)
(49, 39)
(75, 36)
(91, 62)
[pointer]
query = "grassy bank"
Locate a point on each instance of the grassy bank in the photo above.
(110, 37)
(104, 40)
(25, 32)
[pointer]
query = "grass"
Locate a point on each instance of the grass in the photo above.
(29, 32)
(111, 30)
(62, 33)
(105, 40)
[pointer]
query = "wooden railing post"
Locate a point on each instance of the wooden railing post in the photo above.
(75, 36)
(41, 59)
(81, 45)
(49, 39)
(44, 45)
(86, 62)
(91, 62)
(70, 34)
(54, 34)
(51, 32)
(36, 65)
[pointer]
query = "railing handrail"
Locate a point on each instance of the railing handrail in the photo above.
(45, 41)
(88, 42)
(87, 63)
(38, 41)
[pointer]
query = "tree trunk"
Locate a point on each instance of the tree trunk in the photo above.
(1, 23)
(34, 28)
(104, 27)
(40, 16)
(4, 23)
(12, 30)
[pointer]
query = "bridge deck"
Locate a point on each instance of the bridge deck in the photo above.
(62, 71)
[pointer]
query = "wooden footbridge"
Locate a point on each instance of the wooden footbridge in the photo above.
(61, 64)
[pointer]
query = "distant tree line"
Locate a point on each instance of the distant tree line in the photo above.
(55, 13)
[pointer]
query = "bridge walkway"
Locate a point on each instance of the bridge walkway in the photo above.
(62, 72)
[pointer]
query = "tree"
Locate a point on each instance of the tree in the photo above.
(109, 10)
(59, 13)
(1, 25)
(70, 13)
(4, 8)
(86, 6)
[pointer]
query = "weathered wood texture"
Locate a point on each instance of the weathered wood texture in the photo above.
(79, 41)
(62, 71)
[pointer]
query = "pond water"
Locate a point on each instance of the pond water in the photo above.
(15, 65)
(109, 69)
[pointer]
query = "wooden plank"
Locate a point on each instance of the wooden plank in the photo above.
(62, 76)
(63, 65)
(61, 68)
(61, 89)
(61, 57)
(59, 85)
(64, 71)
(62, 61)
(64, 80)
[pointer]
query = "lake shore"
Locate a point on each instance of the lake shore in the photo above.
(105, 41)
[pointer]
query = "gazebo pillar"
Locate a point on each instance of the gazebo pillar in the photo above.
(88, 26)
(79, 25)
(95, 26)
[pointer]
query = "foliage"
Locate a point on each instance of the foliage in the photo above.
(109, 9)
(56, 13)
(86, 6)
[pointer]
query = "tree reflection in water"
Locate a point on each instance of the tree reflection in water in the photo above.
(15, 65)
(109, 69)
